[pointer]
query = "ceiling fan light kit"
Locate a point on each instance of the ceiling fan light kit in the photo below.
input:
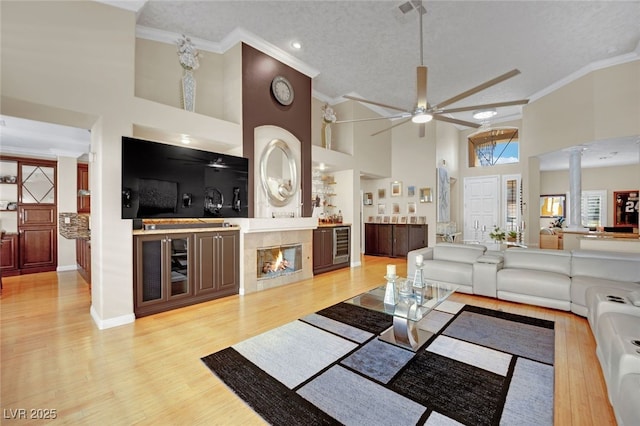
(422, 117)
(484, 114)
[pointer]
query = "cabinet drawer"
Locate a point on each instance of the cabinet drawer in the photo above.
(37, 215)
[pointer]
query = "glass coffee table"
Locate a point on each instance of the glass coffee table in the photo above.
(411, 307)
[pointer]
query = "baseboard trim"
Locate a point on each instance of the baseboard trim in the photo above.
(66, 268)
(111, 322)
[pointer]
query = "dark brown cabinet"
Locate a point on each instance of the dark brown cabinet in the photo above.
(37, 238)
(9, 255)
(179, 269)
(394, 240)
(83, 258)
(84, 200)
(217, 263)
(331, 248)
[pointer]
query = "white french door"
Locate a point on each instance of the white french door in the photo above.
(481, 207)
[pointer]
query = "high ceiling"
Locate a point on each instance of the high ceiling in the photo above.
(371, 49)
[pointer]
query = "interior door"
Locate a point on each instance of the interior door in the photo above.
(481, 207)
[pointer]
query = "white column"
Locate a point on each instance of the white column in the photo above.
(575, 187)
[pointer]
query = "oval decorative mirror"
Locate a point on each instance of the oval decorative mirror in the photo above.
(278, 173)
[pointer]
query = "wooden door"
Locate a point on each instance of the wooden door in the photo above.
(385, 239)
(322, 248)
(370, 239)
(400, 240)
(228, 261)
(37, 249)
(84, 201)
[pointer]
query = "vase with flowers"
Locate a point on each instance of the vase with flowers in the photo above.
(328, 118)
(188, 57)
(498, 235)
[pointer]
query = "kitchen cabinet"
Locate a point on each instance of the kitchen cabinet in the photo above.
(172, 270)
(83, 258)
(84, 201)
(9, 255)
(394, 240)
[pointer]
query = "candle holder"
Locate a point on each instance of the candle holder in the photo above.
(390, 293)
(418, 284)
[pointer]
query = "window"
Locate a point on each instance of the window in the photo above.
(594, 208)
(512, 196)
(489, 147)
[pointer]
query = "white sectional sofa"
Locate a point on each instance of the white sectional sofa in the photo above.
(603, 286)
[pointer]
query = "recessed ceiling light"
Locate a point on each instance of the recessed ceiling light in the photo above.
(296, 45)
(484, 114)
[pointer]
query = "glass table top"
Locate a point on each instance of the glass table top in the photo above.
(412, 303)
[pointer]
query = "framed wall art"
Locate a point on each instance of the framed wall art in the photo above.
(625, 208)
(552, 205)
(425, 195)
(411, 191)
(411, 207)
(381, 209)
(395, 208)
(381, 193)
(396, 189)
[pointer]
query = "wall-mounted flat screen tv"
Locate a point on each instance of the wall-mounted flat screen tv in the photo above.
(168, 181)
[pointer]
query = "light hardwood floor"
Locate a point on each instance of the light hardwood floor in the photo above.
(149, 372)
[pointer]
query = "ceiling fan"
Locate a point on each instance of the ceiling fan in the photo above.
(425, 112)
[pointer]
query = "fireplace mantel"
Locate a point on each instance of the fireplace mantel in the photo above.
(252, 225)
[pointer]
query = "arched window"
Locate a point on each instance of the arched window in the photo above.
(489, 147)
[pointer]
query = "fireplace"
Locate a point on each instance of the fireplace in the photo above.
(276, 261)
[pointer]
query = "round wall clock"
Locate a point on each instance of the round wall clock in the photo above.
(282, 90)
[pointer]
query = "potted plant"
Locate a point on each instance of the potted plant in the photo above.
(498, 235)
(512, 236)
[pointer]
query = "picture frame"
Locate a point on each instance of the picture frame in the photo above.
(422, 220)
(625, 208)
(394, 219)
(367, 198)
(411, 191)
(370, 219)
(426, 195)
(381, 208)
(403, 219)
(381, 193)
(552, 205)
(413, 220)
(395, 208)
(385, 219)
(411, 207)
(378, 219)
(396, 189)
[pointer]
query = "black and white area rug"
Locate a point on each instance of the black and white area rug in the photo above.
(481, 367)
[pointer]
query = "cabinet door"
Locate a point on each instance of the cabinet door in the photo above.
(218, 263)
(37, 248)
(228, 262)
(149, 270)
(84, 201)
(417, 236)
(322, 248)
(37, 215)
(385, 240)
(179, 266)
(370, 239)
(9, 253)
(400, 240)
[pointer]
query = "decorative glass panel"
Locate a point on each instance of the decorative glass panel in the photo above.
(179, 266)
(38, 184)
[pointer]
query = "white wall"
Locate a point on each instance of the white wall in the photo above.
(67, 181)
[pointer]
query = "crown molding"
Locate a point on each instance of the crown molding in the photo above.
(594, 66)
(238, 35)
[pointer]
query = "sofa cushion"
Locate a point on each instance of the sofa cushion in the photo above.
(605, 264)
(580, 285)
(543, 284)
(449, 272)
(627, 409)
(461, 253)
(538, 260)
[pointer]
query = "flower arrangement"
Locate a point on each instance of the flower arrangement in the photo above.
(187, 54)
(497, 234)
(328, 115)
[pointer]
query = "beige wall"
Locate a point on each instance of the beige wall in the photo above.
(622, 178)
(67, 187)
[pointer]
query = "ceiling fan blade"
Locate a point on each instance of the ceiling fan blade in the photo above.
(421, 130)
(353, 98)
(391, 127)
(480, 88)
(485, 106)
(405, 115)
(455, 121)
(422, 86)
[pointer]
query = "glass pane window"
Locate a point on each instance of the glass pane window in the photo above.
(592, 205)
(38, 184)
(494, 146)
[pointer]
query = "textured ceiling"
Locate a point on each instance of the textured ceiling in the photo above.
(370, 49)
